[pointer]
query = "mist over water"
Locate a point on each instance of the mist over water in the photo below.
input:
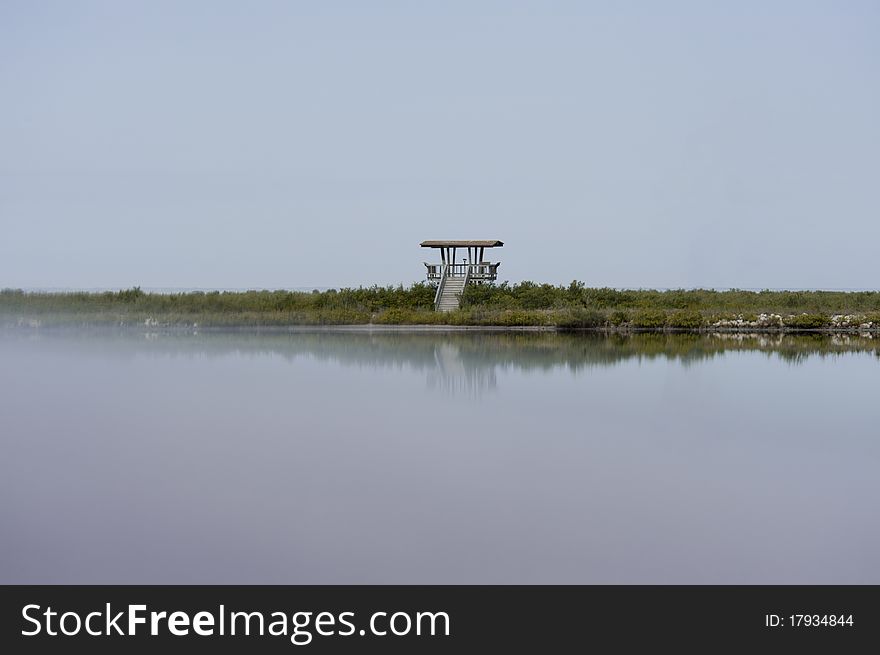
(318, 457)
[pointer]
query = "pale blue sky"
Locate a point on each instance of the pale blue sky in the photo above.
(273, 144)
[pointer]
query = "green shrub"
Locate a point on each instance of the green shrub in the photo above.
(806, 321)
(685, 319)
(328, 317)
(394, 316)
(458, 317)
(649, 318)
(579, 318)
(606, 298)
(130, 295)
(513, 318)
(618, 318)
(478, 295)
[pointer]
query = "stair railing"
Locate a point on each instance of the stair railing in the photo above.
(440, 286)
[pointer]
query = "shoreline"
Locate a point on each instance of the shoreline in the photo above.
(525, 307)
(437, 329)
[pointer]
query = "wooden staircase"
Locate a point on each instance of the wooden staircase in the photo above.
(449, 293)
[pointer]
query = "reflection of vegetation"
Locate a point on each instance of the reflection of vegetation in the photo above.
(459, 354)
(527, 303)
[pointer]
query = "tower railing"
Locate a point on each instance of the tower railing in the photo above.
(481, 271)
(440, 286)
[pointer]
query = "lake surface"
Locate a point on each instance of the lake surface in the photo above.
(140, 457)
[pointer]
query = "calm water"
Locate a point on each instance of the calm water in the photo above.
(425, 458)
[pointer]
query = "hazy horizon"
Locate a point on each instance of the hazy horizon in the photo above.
(316, 287)
(282, 145)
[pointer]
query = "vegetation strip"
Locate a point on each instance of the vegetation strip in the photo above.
(575, 306)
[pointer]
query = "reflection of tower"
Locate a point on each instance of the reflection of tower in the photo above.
(454, 375)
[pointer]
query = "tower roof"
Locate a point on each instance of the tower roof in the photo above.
(494, 243)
